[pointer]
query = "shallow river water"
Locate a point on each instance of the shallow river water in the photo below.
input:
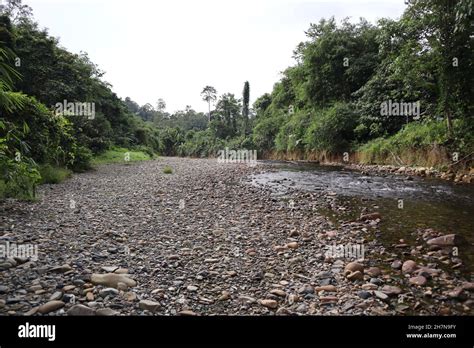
(406, 205)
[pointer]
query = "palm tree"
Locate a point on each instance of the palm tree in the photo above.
(8, 74)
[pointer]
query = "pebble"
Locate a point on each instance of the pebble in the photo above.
(106, 312)
(50, 306)
(355, 276)
(112, 280)
(272, 304)
(364, 294)
(353, 267)
(108, 292)
(391, 290)
(409, 266)
(419, 280)
(149, 305)
(80, 310)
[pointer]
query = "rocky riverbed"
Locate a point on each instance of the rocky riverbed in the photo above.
(207, 240)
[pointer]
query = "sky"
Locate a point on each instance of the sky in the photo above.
(171, 49)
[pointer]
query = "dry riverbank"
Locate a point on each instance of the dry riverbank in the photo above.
(131, 240)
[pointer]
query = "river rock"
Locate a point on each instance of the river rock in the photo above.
(327, 288)
(373, 271)
(108, 292)
(149, 305)
(353, 267)
(51, 306)
(112, 280)
(292, 245)
(80, 310)
(355, 276)
(391, 290)
(306, 289)
(446, 241)
(278, 292)
(397, 264)
(409, 266)
(380, 295)
(272, 304)
(61, 269)
(418, 280)
(106, 312)
(364, 294)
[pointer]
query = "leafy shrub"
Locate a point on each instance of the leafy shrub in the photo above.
(332, 129)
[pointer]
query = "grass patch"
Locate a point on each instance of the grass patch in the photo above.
(10, 190)
(53, 175)
(420, 144)
(120, 155)
(168, 170)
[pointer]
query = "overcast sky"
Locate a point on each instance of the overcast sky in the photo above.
(171, 49)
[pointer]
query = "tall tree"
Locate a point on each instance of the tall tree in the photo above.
(209, 94)
(245, 107)
(445, 26)
(161, 105)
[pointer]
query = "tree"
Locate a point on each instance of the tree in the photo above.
(209, 94)
(445, 27)
(227, 113)
(245, 107)
(160, 105)
(16, 10)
